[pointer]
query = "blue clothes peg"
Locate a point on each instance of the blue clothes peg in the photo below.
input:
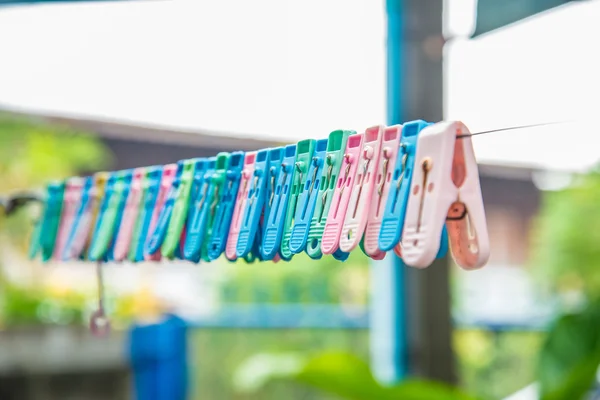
(153, 178)
(273, 232)
(225, 208)
(257, 196)
(308, 199)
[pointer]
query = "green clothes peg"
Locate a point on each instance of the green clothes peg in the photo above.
(51, 219)
(107, 225)
(180, 210)
(304, 153)
(333, 162)
(100, 180)
(217, 182)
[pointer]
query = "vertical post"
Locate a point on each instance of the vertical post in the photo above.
(410, 308)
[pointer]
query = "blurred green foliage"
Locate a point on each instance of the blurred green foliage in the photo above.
(339, 373)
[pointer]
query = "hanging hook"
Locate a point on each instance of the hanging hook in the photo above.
(99, 322)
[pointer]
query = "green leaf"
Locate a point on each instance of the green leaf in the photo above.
(570, 356)
(338, 373)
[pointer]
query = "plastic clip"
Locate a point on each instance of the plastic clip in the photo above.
(50, 221)
(247, 183)
(445, 191)
(330, 241)
(179, 212)
(254, 205)
(359, 204)
(100, 241)
(71, 202)
(273, 231)
(383, 181)
(130, 215)
(196, 224)
(307, 199)
(150, 189)
(82, 215)
(120, 203)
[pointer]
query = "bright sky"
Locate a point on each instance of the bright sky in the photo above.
(287, 69)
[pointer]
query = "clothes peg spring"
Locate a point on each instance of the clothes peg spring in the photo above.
(248, 184)
(359, 203)
(254, 207)
(130, 215)
(273, 232)
(333, 227)
(445, 191)
(383, 181)
(225, 206)
(196, 223)
(304, 160)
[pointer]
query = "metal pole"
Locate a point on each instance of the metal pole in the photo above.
(410, 308)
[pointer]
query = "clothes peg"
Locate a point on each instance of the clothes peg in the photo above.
(254, 207)
(120, 211)
(392, 221)
(107, 216)
(445, 190)
(307, 199)
(361, 193)
(273, 232)
(247, 184)
(216, 183)
(336, 145)
(383, 180)
(330, 241)
(157, 224)
(180, 209)
(50, 220)
(158, 235)
(150, 188)
(85, 219)
(225, 206)
(130, 215)
(196, 224)
(71, 202)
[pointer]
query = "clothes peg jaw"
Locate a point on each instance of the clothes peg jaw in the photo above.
(248, 183)
(359, 203)
(225, 206)
(337, 211)
(385, 168)
(130, 214)
(445, 191)
(307, 198)
(254, 207)
(304, 156)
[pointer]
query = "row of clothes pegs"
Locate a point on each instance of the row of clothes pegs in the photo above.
(409, 188)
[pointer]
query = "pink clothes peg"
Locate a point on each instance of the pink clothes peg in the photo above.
(359, 204)
(132, 208)
(385, 169)
(445, 190)
(71, 203)
(240, 204)
(341, 196)
(166, 181)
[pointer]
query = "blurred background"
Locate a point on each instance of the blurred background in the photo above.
(91, 86)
